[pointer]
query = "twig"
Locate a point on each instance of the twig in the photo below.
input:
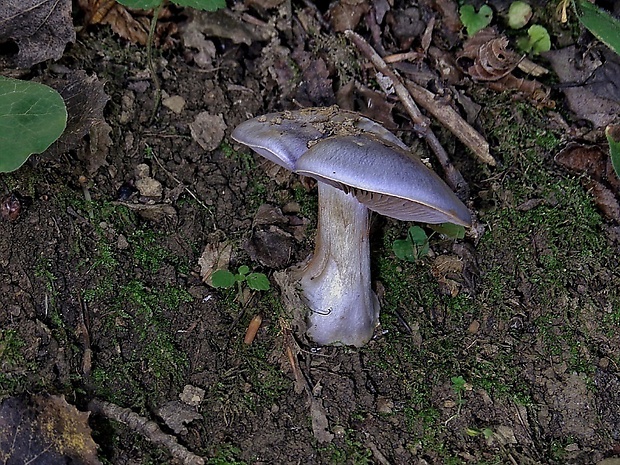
(82, 331)
(421, 123)
(395, 58)
(449, 118)
(377, 454)
(149, 60)
(147, 428)
(187, 189)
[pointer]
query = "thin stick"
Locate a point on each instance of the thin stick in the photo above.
(421, 122)
(187, 189)
(449, 118)
(149, 60)
(147, 428)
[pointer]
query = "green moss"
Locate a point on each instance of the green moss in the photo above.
(147, 252)
(226, 454)
(11, 361)
(347, 450)
(245, 158)
(308, 202)
(136, 312)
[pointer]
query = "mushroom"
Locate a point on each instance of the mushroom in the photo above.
(359, 166)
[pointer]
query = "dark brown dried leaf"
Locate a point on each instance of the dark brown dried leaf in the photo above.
(486, 57)
(534, 90)
(315, 88)
(406, 25)
(45, 429)
(583, 159)
(591, 160)
(41, 28)
(132, 25)
(605, 200)
(85, 99)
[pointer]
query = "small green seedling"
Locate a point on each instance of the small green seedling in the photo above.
(486, 433)
(459, 385)
(226, 279)
(537, 40)
(32, 117)
(416, 246)
(473, 21)
(519, 14)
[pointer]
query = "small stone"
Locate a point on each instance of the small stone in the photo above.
(11, 207)
(208, 130)
(384, 405)
(339, 430)
(192, 395)
(474, 326)
(291, 207)
(142, 171)
(122, 242)
(175, 103)
(149, 187)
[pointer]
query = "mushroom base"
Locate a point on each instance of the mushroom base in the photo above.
(336, 282)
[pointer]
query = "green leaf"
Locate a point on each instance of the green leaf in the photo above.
(451, 230)
(223, 278)
(258, 282)
(32, 117)
(403, 250)
(605, 27)
(141, 4)
(519, 14)
(243, 270)
(537, 40)
(414, 247)
(458, 383)
(473, 21)
(417, 235)
(613, 137)
(208, 5)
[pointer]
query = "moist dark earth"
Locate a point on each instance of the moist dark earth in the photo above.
(501, 347)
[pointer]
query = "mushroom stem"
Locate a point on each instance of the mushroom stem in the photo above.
(336, 281)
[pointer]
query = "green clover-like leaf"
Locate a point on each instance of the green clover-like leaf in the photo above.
(473, 21)
(258, 282)
(223, 278)
(414, 247)
(519, 14)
